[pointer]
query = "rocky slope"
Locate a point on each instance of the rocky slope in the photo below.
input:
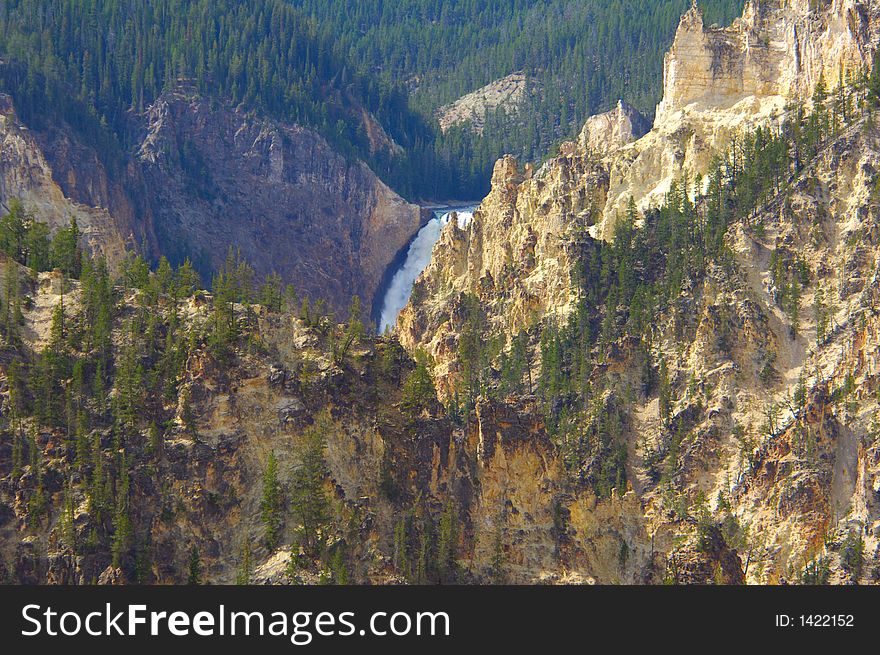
(57, 178)
(506, 94)
(279, 193)
(206, 177)
(395, 479)
(771, 411)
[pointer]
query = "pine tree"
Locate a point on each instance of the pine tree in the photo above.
(309, 502)
(665, 392)
(447, 543)
(820, 312)
(271, 505)
(194, 575)
(338, 566)
(65, 253)
(186, 280)
(245, 571)
(401, 548)
(418, 388)
(354, 332)
(122, 529)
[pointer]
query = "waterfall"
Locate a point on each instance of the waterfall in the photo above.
(417, 258)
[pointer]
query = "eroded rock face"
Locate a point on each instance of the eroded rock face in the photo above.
(801, 474)
(519, 518)
(717, 83)
(514, 256)
(777, 47)
(605, 133)
(293, 206)
(58, 178)
(207, 177)
(506, 94)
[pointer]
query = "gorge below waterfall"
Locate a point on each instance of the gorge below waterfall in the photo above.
(417, 258)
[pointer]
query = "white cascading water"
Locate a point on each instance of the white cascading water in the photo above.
(417, 258)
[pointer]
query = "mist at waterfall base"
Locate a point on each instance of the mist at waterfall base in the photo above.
(417, 258)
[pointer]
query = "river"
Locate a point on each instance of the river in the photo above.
(417, 258)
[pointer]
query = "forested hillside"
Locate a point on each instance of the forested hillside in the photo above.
(580, 58)
(320, 63)
(115, 58)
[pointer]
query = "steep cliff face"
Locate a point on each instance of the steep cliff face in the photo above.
(604, 133)
(758, 462)
(57, 178)
(778, 48)
(221, 178)
(514, 255)
(207, 177)
(718, 83)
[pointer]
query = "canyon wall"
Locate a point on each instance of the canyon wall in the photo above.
(58, 178)
(718, 82)
(206, 177)
(800, 474)
(279, 193)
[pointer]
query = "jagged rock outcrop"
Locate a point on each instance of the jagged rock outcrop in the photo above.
(774, 413)
(514, 256)
(777, 48)
(717, 83)
(604, 133)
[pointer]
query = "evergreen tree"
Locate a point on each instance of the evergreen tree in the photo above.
(447, 543)
(245, 571)
(418, 388)
(65, 253)
(194, 575)
(309, 502)
(271, 505)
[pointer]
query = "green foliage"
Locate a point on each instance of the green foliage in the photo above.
(245, 570)
(426, 545)
(418, 388)
(874, 80)
(65, 253)
(852, 553)
(353, 333)
(308, 499)
(516, 367)
(194, 575)
(271, 505)
(338, 565)
(232, 284)
(318, 63)
(263, 53)
(122, 529)
(25, 239)
(135, 271)
(817, 572)
(447, 544)
(580, 58)
(474, 352)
